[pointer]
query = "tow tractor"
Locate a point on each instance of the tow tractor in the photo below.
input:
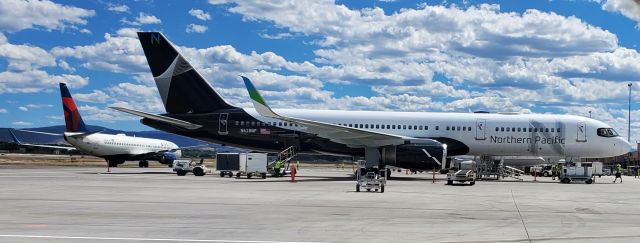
(466, 173)
(370, 178)
(182, 167)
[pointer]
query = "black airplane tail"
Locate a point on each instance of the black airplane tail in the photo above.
(182, 89)
(72, 118)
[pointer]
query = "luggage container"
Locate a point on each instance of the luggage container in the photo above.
(254, 164)
(228, 163)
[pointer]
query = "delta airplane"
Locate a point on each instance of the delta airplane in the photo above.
(413, 140)
(115, 149)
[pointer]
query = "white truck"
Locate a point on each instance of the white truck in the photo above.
(182, 167)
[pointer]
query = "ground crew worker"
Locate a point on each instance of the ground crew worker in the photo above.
(276, 167)
(297, 165)
(618, 173)
(555, 171)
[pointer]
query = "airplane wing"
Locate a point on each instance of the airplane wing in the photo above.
(16, 140)
(350, 136)
(166, 119)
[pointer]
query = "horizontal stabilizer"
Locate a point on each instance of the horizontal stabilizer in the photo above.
(160, 118)
(16, 140)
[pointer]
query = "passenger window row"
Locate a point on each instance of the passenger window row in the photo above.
(359, 125)
(524, 129)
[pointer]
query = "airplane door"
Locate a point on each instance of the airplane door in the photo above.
(582, 132)
(222, 124)
(481, 125)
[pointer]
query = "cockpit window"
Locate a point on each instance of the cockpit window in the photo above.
(607, 132)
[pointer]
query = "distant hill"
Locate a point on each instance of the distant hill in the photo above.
(36, 138)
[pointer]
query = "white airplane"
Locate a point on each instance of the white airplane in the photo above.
(413, 140)
(115, 149)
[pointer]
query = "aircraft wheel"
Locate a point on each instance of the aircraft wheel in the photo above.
(357, 187)
(264, 175)
(449, 182)
(249, 175)
(382, 189)
(589, 181)
(197, 171)
(181, 172)
(565, 180)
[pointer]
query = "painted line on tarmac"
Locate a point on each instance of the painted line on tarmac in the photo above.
(143, 239)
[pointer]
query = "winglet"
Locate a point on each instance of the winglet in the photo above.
(13, 135)
(258, 102)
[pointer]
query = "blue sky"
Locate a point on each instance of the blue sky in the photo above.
(525, 56)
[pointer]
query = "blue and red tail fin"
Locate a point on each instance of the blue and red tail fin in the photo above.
(72, 117)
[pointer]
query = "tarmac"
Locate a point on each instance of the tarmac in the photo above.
(86, 204)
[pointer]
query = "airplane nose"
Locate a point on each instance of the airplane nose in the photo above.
(622, 146)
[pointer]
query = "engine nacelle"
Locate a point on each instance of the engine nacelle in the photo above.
(424, 155)
(168, 157)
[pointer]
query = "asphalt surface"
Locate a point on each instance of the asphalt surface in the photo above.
(67, 204)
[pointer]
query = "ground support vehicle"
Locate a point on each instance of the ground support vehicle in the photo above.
(370, 179)
(542, 170)
(254, 164)
(229, 163)
(465, 174)
(576, 172)
(182, 167)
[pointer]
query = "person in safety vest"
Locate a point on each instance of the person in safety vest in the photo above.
(618, 173)
(276, 167)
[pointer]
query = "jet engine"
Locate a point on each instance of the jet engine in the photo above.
(167, 157)
(427, 154)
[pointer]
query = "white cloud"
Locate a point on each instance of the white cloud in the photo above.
(23, 74)
(196, 28)
(142, 19)
(24, 57)
(22, 123)
(128, 32)
(65, 66)
(120, 54)
(118, 8)
(32, 81)
(22, 108)
(277, 36)
(200, 14)
(97, 96)
(3, 111)
(38, 106)
(628, 8)
(136, 96)
(16, 15)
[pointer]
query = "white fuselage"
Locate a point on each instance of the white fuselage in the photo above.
(103, 145)
(484, 134)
